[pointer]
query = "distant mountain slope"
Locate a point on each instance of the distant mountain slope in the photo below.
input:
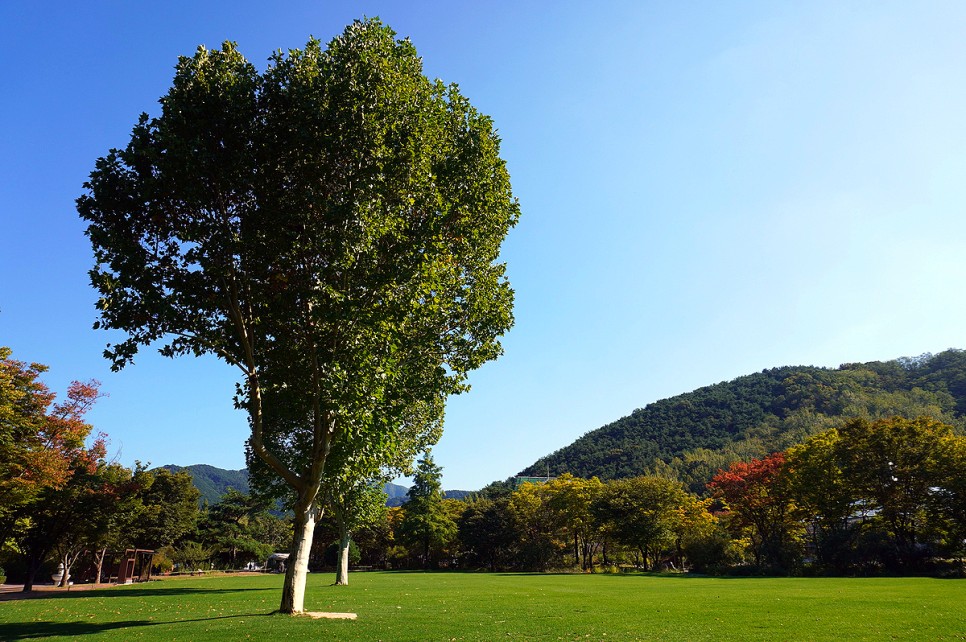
(400, 499)
(213, 482)
(395, 490)
(692, 435)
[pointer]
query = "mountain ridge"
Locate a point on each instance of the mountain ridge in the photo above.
(692, 435)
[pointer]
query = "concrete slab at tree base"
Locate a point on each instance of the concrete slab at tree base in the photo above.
(318, 615)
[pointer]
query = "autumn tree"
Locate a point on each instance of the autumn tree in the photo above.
(756, 494)
(42, 443)
(570, 498)
(91, 512)
(61, 522)
(950, 496)
(536, 527)
(113, 506)
(23, 424)
(44, 461)
(330, 227)
(700, 543)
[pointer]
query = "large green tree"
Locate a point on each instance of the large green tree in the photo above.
(354, 470)
(898, 467)
(167, 507)
(643, 513)
(330, 227)
(827, 497)
(487, 534)
(887, 492)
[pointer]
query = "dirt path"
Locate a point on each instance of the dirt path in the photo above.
(15, 591)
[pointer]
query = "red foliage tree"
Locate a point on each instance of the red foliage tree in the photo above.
(60, 444)
(42, 444)
(760, 507)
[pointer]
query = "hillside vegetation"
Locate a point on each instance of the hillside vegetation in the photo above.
(691, 436)
(214, 482)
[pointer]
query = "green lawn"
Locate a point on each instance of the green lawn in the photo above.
(456, 606)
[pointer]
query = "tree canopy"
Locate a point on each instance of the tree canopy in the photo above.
(42, 443)
(330, 227)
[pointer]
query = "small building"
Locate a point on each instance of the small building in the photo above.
(276, 562)
(520, 481)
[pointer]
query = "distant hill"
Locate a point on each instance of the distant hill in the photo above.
(397, 494)
(213, 482)
(692, 435)
(395, 490)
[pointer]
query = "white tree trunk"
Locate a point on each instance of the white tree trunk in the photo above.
(65, 563)
(67, 559)
(100, 565)
(342, 567)
(297, 565)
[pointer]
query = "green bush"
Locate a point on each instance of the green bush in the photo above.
(711, 553)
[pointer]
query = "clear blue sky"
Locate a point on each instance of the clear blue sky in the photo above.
(707, 189)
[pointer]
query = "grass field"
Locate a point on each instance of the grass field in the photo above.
(456, 606)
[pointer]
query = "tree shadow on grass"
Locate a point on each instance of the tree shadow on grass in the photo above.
(34, 630)
(128, 592)
(37, 630)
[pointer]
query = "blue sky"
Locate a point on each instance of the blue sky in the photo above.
(707, 189)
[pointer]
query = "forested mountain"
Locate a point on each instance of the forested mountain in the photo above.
(214, 482)
(692, 435)
(395, 491)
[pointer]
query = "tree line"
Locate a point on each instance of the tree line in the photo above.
(866, 497)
